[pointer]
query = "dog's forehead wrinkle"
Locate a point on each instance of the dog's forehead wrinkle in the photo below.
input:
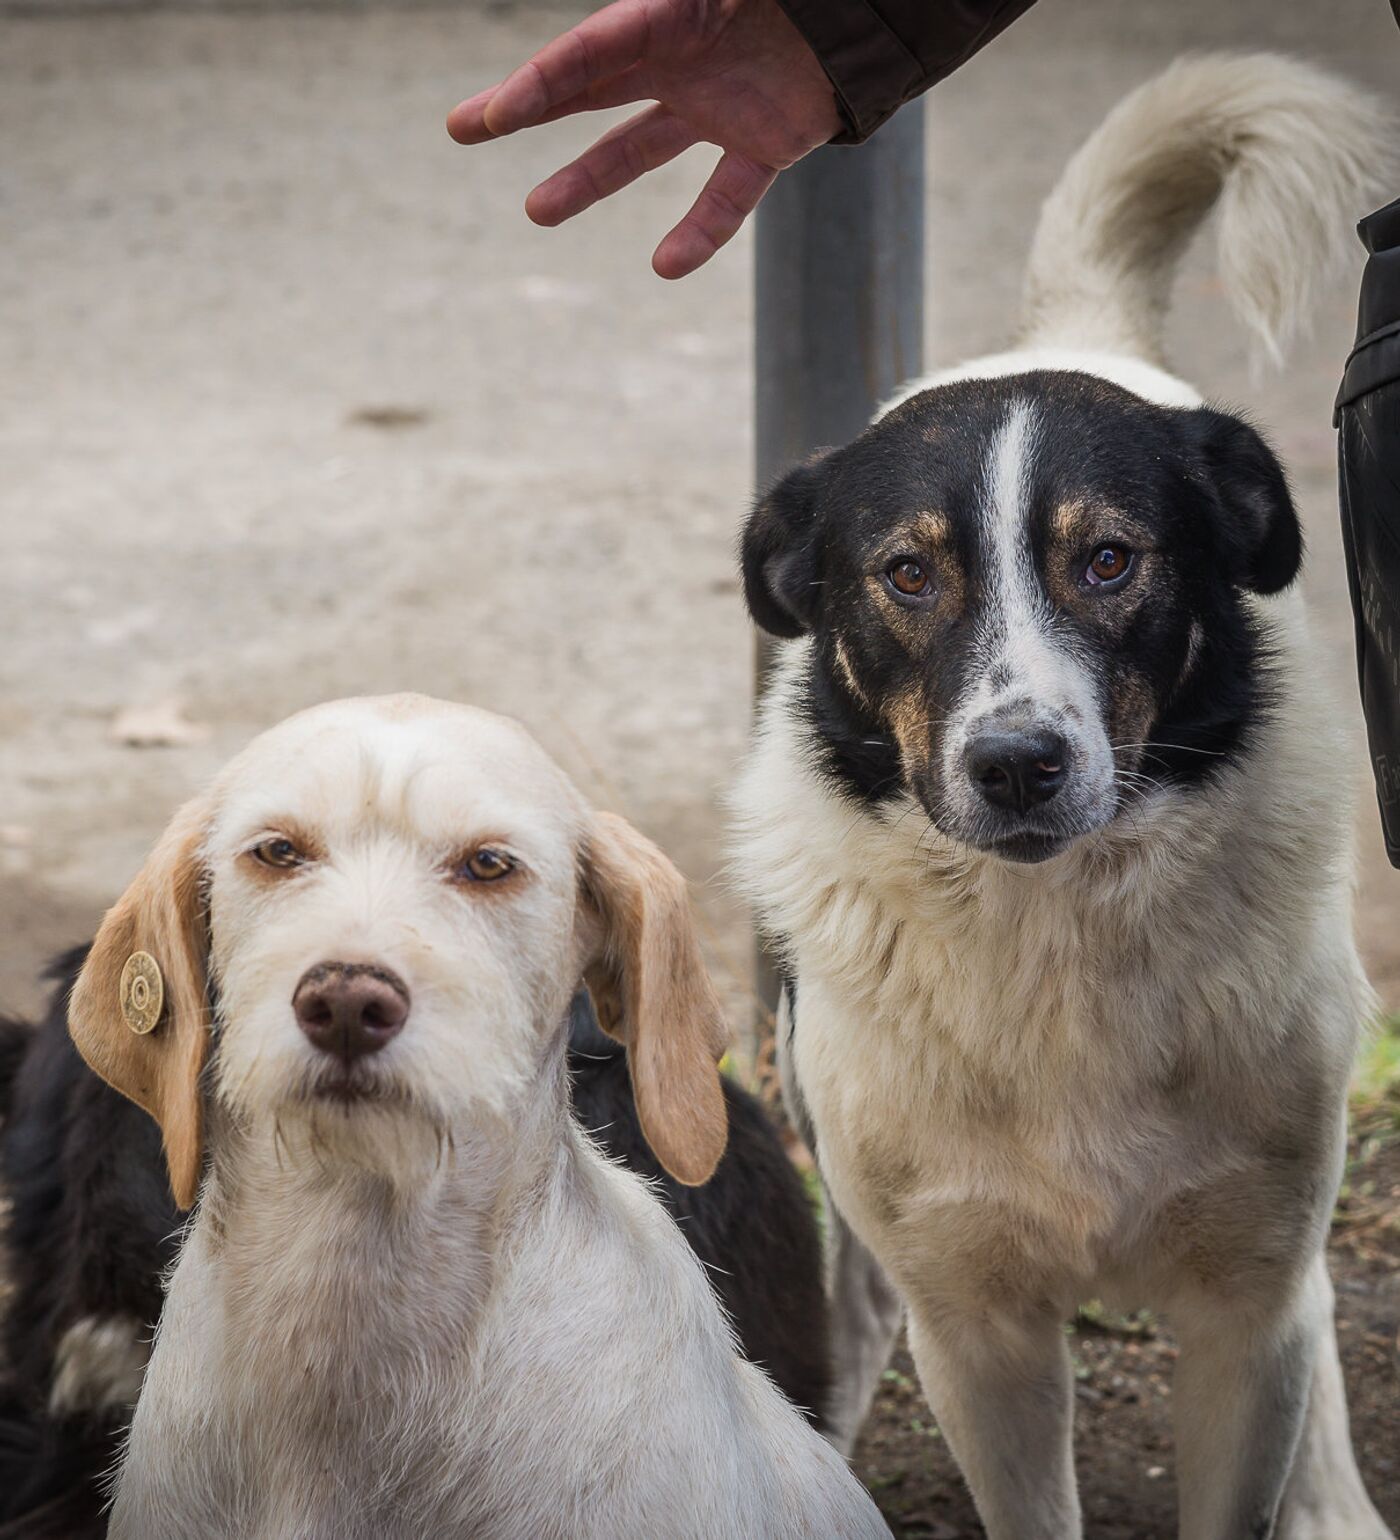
(419, 767)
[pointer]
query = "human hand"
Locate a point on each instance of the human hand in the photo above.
(733, 73)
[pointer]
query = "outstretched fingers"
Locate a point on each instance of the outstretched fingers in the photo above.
(732, 193)
(466, 123)
(601, 46)
(641, 144)
(622, 90)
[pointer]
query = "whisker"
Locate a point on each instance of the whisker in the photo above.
(1175, 748)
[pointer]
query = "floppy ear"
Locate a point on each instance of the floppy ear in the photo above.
(652, 992)
(779, 552)
(1258, 527)
(139, 1012)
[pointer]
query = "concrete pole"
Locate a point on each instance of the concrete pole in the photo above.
(839, 314)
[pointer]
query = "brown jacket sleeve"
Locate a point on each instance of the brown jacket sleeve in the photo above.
(880, 54)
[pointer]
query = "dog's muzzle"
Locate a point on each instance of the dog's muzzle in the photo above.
(1021, 785)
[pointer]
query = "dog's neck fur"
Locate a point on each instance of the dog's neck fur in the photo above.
(312, 1199)
(335, 1309)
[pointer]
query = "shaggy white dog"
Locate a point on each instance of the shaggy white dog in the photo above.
(414, 1299)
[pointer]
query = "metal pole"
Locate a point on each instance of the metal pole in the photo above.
(839, 314)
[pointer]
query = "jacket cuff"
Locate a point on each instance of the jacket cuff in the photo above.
(871, 71)
(874, 68)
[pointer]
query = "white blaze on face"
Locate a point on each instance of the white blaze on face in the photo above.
(1025, 674)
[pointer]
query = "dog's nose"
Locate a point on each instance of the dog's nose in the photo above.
(350, 1009)
(1017, 770)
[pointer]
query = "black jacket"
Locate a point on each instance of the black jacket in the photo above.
(879, 54)
(1368, 416)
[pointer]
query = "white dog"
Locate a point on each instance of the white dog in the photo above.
(414, 1300)
(1045, 812)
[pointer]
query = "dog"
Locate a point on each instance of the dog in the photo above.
(414, 1297)
(1043, 812)
(91, 1227)
(88, 1230)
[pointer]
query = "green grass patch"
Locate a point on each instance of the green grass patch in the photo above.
(1093, 1316)
(1376, 1084)
(1375, 1123)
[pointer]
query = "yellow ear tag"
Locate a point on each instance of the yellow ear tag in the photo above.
(142, 992)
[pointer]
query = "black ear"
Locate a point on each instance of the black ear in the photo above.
(779, 552)
(1257, 525)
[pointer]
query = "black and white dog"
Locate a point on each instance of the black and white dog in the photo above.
(92, 1227)
(1045, 810)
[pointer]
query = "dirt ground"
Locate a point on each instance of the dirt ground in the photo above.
(1123, 1370)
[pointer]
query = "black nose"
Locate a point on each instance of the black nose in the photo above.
(1017, 770)
(350, 1009)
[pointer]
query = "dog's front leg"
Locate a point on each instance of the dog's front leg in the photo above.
(1240, 1394)
(1000, 1386)
(1325, 1498)
(866, 1313)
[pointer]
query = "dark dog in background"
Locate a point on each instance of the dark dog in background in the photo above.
(92, 1227)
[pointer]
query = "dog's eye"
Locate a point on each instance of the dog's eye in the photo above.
(909, 579)
(278, 852)
(1110, 565)
(486, 865)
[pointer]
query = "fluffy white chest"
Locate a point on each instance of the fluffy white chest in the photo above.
(1027, 1076)
(1057, 1129)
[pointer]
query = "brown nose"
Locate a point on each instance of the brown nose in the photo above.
(350, 1009)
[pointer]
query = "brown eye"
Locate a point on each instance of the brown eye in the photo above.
(487, 865)
(909, 578)
(278, 852)
(1110, 564)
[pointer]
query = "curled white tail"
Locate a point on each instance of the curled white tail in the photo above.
(1293, 155)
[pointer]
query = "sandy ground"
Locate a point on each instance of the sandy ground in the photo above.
(294, 403)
